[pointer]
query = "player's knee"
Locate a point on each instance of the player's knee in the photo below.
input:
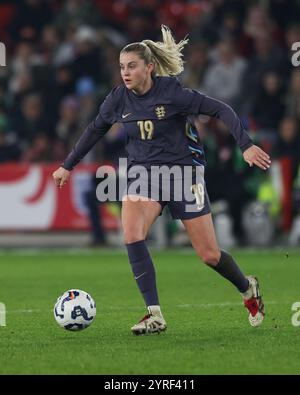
(210, 257)
(133, 234)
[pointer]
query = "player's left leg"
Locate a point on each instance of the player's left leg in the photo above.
(202, 235)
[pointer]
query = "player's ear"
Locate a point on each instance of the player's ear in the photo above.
(151, 67)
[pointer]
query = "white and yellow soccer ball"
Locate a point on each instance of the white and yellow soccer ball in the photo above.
(75, 310)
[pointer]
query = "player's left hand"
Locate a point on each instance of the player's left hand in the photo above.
(256, 156)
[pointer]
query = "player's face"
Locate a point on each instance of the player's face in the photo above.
(135, 73)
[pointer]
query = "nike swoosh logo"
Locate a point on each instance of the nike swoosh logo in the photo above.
(125, 115)
(140, 275)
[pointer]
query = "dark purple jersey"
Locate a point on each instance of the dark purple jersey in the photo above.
(156, 124)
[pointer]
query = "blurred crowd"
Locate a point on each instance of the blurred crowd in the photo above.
(62, 60)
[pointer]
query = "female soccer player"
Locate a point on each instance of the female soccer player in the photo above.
(154, 109)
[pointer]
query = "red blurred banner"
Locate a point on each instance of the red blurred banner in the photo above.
(29, 199)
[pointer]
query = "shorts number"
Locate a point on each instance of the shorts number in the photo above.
(198, 191)
(146, 128)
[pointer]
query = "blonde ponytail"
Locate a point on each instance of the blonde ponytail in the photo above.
(166, 55)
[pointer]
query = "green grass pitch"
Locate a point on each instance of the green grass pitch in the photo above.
(208, 330)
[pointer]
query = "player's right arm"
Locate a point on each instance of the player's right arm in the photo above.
(92, 134)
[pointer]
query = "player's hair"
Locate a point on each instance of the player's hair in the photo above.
(166, 55)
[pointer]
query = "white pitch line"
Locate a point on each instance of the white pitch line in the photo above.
(225, 304)
(180, 306)
(30, 311)
(120, 250)
(62, 251)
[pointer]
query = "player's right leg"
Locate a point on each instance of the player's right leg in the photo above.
(137, 218)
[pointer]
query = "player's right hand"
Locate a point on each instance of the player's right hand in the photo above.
(61, 177)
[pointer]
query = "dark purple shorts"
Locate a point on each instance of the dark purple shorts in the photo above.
(184, 191)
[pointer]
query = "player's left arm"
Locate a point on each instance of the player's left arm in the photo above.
(190, 101)
(256, 156)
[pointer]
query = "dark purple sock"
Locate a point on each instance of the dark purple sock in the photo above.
(228, 268)
(143, 270)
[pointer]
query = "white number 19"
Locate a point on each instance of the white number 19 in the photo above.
(198, 191)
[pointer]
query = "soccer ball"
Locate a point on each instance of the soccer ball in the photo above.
(75, 310)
